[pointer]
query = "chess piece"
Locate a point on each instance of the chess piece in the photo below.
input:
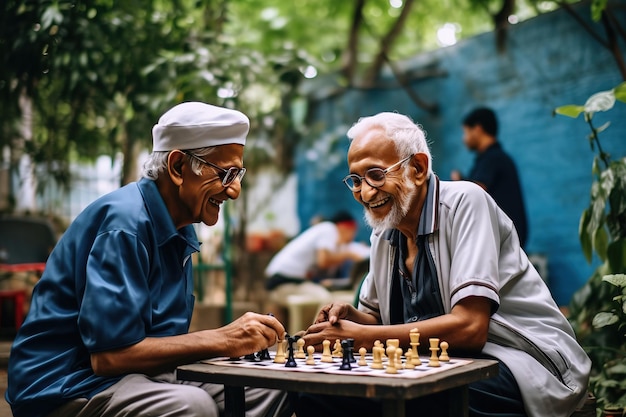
(337, 350)
(291, 360)
(280, 352)
(399, 353)
(379, 344)
(300, 353)
(408, 364)
(326, 355)
(362, 353)
(377, 354)
(351, 350)
(415, 342)
(346, 365)
(444, 352)
(434, 348)
(310, 360)
(391, 363)
(264, 355)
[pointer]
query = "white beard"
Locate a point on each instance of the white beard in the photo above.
(398, 211)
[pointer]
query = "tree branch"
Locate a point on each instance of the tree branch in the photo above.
(349, 58)
(583, 23)
(386, 43)
(613, 45)
(501, 23)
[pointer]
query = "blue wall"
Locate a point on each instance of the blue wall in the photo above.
(550, 61)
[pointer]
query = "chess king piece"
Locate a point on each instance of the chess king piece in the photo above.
(415, 342)
(434, 348)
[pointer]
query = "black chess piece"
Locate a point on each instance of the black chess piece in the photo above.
(351, 350)
(251, 357)
(263, 355)
(291, 360)
(347, 353)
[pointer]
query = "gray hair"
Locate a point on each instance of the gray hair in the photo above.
(408, 137)
(157, 162)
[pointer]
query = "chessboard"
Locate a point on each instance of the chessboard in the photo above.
(419, 371)
(344, 361)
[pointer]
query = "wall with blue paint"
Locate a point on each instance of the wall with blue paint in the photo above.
(549, 61)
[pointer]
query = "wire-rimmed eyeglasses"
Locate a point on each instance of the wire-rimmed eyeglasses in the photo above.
(375, 177)
(226, 175)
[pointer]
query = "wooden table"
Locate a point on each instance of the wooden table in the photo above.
(392, 391)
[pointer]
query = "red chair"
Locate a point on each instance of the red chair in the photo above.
(25, 243)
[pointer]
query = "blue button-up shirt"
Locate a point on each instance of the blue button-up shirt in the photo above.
(120, 273)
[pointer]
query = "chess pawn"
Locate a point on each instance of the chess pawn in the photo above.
(362, 353)
(399, 358)
(391, 363)
(444, 352)
(280, 352)
(300, 353)
(434, 348)
(408, 364)
(310, 360)
(326, 355)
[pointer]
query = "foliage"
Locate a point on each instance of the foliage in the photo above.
(610, 382)
(599, 326)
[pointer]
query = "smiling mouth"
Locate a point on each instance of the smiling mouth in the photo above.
(215, 202)
(378, 203)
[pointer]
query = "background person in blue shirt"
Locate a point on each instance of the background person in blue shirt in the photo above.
(494, 170)
(109, 319)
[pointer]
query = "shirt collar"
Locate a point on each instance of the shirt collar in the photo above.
(429, 219)
(164, 225)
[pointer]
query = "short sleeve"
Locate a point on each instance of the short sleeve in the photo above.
(473, 236)
(116, 283)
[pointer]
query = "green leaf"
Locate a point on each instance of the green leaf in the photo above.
(601, 242)
(570, 110)
(584, 235)
(603, 319)
(602, 101)
(620, 92)
(597, 7)
(619, 280)
(616, 255)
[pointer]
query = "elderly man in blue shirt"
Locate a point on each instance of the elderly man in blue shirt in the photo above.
(109, 319)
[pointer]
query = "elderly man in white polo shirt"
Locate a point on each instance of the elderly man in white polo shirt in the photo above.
(447, 260)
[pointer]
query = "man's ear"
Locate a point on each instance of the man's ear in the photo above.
(175, 166)
(420, 162)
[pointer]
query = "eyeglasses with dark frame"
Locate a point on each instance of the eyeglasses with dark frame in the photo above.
(228, 176)
(375, 177)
